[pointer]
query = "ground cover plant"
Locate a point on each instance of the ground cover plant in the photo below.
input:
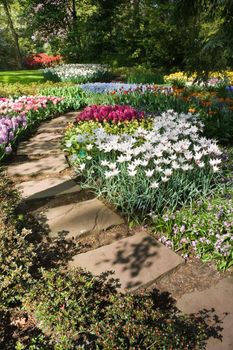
(75, 309)
(204, 229)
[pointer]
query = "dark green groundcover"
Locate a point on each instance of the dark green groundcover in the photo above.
(74, 310)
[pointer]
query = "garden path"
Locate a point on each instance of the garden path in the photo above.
(52, 194)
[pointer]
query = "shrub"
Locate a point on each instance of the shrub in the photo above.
(39, 60)
(78, 310)
(17, 253)
(139, 75)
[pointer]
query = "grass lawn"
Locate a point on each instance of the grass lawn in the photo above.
(21, 76)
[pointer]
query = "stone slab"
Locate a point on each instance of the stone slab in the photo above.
(81, 218)
(46, 188)
(57, 123)
(137, 261)
(219, 297)
(35, 148)
(48, 165)
(43, 137)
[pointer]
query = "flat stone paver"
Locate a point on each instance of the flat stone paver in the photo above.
(137, 261)
(48, 165)
(81, 218)
(42, 137)
(219, 297)
(35, 148)
(44, 143)
(57, 124)
(50, 187)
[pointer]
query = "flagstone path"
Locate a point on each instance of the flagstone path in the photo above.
(41, 173)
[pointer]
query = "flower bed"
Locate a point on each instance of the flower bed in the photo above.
(17, 116)
(10, 128)
(214, 78)
(115, 114)
(78, 73)
(162, 165)
(206, 230)
(158, 167)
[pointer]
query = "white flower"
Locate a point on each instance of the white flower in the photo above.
(121, 159)
(157, 161)
(185, 167)
(167, 172)
(175, 165)
(165, 179)
(132, 173)
(213, 148)
(154, 184)
(188, 155)
(144, 162)
(89, 147)
(159, 169)
(149, 172)
(112, 173)
(82, 166)
(104, 163)
(215, 169)
(131, 167)
(137, 162)
(112, 166)
(200, 164)
(173, 156)
(198, 156)
(214, 162)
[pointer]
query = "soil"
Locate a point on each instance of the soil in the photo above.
(193, 275)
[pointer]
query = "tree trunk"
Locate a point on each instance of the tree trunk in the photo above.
(14, 34)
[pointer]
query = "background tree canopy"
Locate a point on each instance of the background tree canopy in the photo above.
(168, 35)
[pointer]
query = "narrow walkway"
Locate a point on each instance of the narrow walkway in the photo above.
(56, 200)
(54, 197)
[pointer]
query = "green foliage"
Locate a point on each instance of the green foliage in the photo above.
(74, 96)
(78, 310)
(17, 254)
(139, 75)
(204, 229)
(21, 76)
(134, 193)
(19, 89)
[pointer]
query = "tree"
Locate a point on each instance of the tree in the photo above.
(7, 10)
